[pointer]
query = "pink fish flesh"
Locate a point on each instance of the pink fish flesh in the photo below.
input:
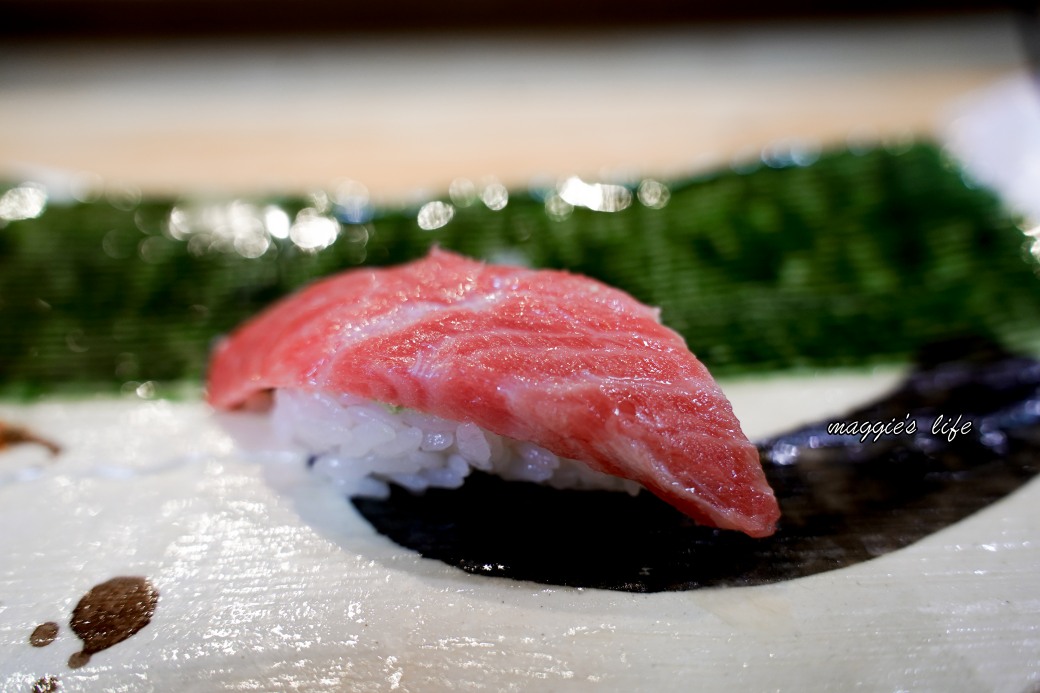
(566, 362)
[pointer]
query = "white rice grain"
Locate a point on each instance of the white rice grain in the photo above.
(359, 446)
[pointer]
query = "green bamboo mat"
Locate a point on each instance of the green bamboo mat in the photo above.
(859, 257)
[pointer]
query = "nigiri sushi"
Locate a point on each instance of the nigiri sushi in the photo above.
(420, 372)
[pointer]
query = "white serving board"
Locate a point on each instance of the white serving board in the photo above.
(269, 582)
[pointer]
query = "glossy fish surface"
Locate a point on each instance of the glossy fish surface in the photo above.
(563, 361)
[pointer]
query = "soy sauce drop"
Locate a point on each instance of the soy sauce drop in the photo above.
(44, 634)
(110, 613)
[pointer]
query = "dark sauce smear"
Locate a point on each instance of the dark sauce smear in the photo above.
(110, 613)
(843, 500)
(18, 435)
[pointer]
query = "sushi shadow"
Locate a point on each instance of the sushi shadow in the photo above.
(844, 499)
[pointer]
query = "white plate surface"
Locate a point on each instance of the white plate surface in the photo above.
(270, 583)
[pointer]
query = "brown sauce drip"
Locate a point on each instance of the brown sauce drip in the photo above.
(110, 613)
(16, 435)
(46, 684)
(44, 634)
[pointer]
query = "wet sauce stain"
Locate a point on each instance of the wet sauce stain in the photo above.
(17, 435)
(44, 634)
(46, 684)
(110, 613)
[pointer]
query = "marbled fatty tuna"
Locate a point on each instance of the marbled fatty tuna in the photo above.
(561, 360)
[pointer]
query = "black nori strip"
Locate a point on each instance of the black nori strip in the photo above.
(843, 501)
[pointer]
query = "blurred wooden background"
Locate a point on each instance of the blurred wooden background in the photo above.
(407, 107)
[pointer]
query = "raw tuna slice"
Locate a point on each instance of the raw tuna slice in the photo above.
(563, 361)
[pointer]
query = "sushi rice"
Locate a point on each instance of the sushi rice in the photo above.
(359, 446)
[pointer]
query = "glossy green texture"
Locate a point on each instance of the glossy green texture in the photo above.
(857, 258)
